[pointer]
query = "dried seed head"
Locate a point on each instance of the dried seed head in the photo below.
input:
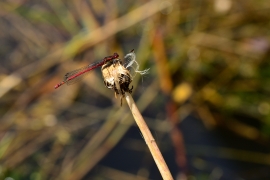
(117, 75)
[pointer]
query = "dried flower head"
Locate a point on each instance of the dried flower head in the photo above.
(117, 74)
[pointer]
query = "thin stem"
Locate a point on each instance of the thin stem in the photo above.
(150, 141)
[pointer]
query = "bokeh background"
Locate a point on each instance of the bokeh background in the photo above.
(205, 98)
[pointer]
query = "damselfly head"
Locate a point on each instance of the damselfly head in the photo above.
(115, 55)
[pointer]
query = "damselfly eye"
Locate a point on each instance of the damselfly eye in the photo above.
(115, 55)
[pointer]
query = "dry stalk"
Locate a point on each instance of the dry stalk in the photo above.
(150, 141)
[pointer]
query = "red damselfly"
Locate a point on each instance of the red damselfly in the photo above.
(74, 76)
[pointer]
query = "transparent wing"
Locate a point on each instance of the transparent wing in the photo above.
(78, 74)
(70, 81)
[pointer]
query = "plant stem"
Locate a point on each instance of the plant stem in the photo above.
(150, 141)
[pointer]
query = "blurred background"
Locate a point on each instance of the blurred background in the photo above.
(205, 98)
